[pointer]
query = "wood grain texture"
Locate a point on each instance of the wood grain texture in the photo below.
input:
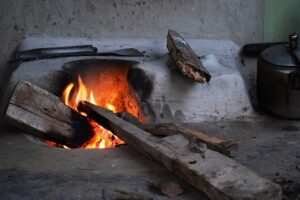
(185, 58)
(218, 176)
(44, 115)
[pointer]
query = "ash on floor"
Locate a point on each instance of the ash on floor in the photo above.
(270, 147)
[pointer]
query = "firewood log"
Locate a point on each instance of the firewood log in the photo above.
(45, 116)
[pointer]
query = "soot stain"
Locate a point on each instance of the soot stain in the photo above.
(140, 82)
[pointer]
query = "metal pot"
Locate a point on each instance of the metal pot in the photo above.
(278, 79)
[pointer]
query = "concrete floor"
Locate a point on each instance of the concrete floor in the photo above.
(30, 170)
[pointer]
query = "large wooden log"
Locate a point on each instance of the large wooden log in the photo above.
(185, 58)
(44, 115)
(218, 176)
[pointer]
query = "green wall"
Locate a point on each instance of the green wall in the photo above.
(282, 17)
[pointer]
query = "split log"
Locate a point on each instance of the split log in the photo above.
(185, 58)
(45, 116)
(218, 176)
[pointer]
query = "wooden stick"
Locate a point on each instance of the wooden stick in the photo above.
(221, 145)
(218, 176)
(44, 115)
(185, 58)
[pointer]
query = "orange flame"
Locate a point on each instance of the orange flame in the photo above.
(109, 90)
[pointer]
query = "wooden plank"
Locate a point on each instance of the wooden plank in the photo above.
(185, 58)
(218, 176)
(44, 115)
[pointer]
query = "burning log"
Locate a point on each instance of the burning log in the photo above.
(43, 115)
(185, 58)
(218, 176)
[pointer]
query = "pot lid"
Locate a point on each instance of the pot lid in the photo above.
(281, 55)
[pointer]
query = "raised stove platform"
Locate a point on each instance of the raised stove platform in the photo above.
(174, 96)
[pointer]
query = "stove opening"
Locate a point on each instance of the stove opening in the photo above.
(106, 83)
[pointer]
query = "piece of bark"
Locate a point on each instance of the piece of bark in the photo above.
(169, 188)
(123, 194)
(45, 116)
(185, 58)
(219, 177)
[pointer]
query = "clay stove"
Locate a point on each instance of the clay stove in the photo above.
(145, 87)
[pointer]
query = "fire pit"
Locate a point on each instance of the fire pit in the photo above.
(105, 83)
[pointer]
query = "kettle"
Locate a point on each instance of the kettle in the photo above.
(278, 79)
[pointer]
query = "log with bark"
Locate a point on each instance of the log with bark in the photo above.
(218, 176)
(44, 115)
(186, 60)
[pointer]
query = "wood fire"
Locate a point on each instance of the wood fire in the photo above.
(109, 89)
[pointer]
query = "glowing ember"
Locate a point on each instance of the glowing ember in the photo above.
(108, 89)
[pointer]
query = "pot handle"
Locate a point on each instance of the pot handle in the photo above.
(255, 49)
(294, 77)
